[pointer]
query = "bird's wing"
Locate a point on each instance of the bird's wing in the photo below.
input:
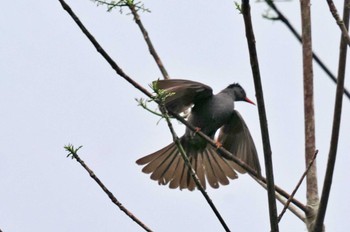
(236, 138)
(186, 93)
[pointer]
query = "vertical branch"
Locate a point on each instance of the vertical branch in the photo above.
(336, 123)
(151, 48)
(262, 115)
(309, 115)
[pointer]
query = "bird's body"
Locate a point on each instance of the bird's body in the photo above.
(209, 114)
(205, 112)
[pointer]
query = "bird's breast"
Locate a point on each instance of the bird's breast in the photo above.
(212, 114)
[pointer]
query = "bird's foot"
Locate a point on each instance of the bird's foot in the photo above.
(196, 130)
(218, 144)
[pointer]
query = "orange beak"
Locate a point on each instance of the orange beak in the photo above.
(249, 101)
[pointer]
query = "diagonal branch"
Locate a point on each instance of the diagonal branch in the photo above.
(336, 125)
(102, 51)
(73, 152)
(297, 187)
(151, 48)
(262, 115)
(283, 201)
(191, 170)
(229, 156)
(340, 22)
(281, 17)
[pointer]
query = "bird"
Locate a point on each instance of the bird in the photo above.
(209, 113)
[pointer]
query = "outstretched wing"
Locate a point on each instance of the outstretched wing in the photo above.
(235, 137)
(186, 93)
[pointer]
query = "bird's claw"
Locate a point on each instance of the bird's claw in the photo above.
(218, 144)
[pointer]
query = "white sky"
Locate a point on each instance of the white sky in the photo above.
(56, 89)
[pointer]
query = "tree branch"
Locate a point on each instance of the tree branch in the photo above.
(309, 114)
(281, 17)
(262, 115)
(226, 154)
(191, 170)
(336, 125)
(283, 201)
(151, 48)
(340, 22)
(296, 187)
(102, 51)
(73, 152)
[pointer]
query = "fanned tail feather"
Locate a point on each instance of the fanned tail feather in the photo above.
(168, 167)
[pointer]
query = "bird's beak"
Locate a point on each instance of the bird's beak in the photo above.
(249, 101)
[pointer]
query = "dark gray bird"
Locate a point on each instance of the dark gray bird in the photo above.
(209, 113)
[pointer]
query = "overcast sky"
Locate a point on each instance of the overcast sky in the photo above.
(56, 89)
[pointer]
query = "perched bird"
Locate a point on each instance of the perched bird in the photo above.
(209, 113)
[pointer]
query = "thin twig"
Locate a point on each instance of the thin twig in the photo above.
(262, 115)
(296, 187)
(151, 48)
(191, 170)
(336, 126)
(224, 152)
(73, 152)
(283, 201)
(340, 22)
(281, 17)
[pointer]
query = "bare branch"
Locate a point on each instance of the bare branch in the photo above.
(340, 22)
(297, 187)
(336, 125)
(102, 51)
(281, 17)
(309, 114)
(191, 170)
(262, 115)
(73, 153)
(283, 201)
(151, 48)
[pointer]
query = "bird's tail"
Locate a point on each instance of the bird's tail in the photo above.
(168, 167)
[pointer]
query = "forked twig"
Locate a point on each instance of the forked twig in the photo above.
(283, 201)
(297, 187)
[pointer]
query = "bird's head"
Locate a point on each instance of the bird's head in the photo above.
(238, 93)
